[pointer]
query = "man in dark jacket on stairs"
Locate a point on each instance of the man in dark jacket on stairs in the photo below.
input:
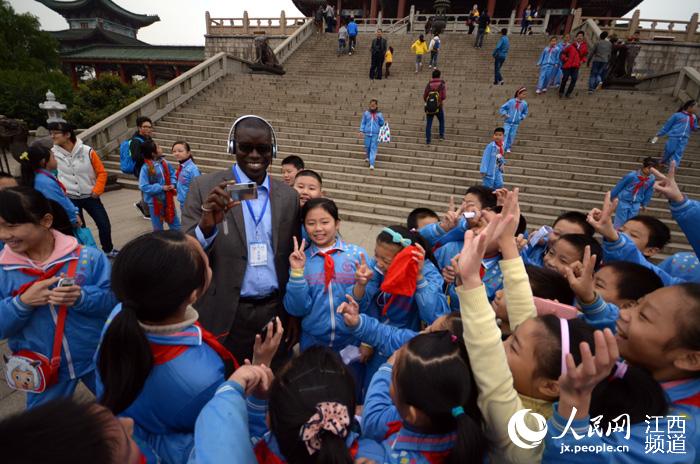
(378, 51)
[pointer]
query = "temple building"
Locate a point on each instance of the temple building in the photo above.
(103, 37)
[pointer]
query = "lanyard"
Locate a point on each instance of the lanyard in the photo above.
(259, 219)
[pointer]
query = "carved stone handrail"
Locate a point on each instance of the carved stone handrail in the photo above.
(687, 85)
(284, 50)
(649, 29)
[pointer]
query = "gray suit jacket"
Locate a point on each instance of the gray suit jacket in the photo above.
(229, 253)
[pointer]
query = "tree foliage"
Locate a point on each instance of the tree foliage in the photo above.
(99, 98)
(23, 45)
(22, 91)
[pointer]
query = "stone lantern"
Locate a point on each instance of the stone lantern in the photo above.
(54, 108)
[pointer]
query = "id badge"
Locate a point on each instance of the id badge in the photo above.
(257, 254)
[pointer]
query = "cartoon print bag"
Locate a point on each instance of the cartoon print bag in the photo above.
(33, 372)
(385, 133)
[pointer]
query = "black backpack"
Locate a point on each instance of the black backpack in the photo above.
(433, 102)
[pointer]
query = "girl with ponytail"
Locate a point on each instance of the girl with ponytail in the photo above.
(156, 364)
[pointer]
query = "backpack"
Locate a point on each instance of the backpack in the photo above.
(126, 163)
(433, 102)
(436, 45)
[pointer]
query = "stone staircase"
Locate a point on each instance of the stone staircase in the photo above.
(567, 154)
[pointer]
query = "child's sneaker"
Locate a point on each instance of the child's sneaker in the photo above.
(508, 150)
(371, 168)
(112, 254)
(538, 91)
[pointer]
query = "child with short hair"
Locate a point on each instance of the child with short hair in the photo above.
(634, 191)
(155, 363)
(342, 38)
(421, 217)
(157, 182)
(291, 166)
(678, 129)
(372, 121)
(548, 61)
(308, 185)
(514, 111)
(622, 283)
(388, 59)
(492, 161)
(186, 169)
(420, 48)
(47, 280)
(649, 234)
(321, 276)
(569, 222)
(568, 250)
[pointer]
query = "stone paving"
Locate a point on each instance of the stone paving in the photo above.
(126, 224)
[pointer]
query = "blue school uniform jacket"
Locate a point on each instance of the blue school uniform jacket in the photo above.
(175, 391)
(687, 214)
(32, 328)
(549, 56)
(491, 160)
(152, 186)
(49, 186)
(684, 265)
(184, 175)
(624, 249)
(388, 439)
(493, 277)
(502, 47)
(437, 237)
(630, 189)
(384, 338)
(534, 254)
(306, 296)
(427, 304)
(371, 125)
(680, 124)
(515, 111)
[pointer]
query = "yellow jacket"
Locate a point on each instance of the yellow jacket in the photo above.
(498, 400)
(421, 48)
(388, 57)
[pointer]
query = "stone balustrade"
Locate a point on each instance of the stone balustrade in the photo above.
(648, 29)
(246, 25)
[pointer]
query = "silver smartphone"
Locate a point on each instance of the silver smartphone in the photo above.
(241, 192)
(66, 282)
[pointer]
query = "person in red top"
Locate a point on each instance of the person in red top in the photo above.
(572, 58)
(433, 105)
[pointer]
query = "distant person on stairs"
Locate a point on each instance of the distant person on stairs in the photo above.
(599, 57)
(434, 49)
(557, 73)
(420, 48)
(678, 129)
(378, 50)
(388, 59)
(352, 35)
(342, 38)
(572, 58)
(492, 161)
(330, 17)
(144, 132)
(484, 21)
(549, 65)
(473, 19)
(434, 97)
(527, 18)
(513, 112)
(499, 56)
(372, 121)
(318, 20)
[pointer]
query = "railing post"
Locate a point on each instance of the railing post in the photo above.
(207, 19)
(546, 21)
(691, 28)
(634, 23)
(412, 14)
(283, 23)
(511, 22)
(246, 22)
(379, 19)
(578, 12)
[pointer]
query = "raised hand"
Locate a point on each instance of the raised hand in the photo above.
(254, 379)
(666, 184)
(578, 382)
(580, 277)
(601, 219)
(264, 351)
(350, 311)
(451, 217)
(215, 205)
(449, 273)
(507, 239)
(39, 293)
(363, 273)
(297, 260)
(64, 296)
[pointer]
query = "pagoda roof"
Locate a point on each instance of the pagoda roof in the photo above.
(137, 53)
(96, 35)
(66, 9)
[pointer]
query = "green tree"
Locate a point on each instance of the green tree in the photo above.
(99, 98)
(23, 45)
(22, 91)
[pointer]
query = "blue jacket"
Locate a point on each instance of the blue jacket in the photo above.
(491, 160)
(427, 304)
(678, 125)
(307, 298)
(384, 338)
(152, 186)
(534, 254)
(687, 214)
(493, 277)
(174, 393)
(48, 185)
(624, 249)
(188, 172)
(371, 125)
(32, 328)
(502, 47)
(352, 28)
(514, 115)
(379, 418)
(683, 265)
(436, 236)
(624, 189)
(549, 56)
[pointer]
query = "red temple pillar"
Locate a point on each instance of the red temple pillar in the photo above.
(150, 76)
(177, 71)
(364, 8)
(521, 8)
(338, 16)
(97, 71)
(74, 75)
(373, 10)
(401, 12)
(570, 18)
(491, 7)
(122, 74)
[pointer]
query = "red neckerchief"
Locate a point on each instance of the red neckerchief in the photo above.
(328, 266)
(52, 177)
(167, 211)
(40, 275)
(500, 147)
(642, 182)
(517, 104)
(691, 120)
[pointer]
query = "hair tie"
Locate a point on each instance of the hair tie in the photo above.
(564, 343)
(457, 411)
(24, 156)
(453, 337)
(329, 416)
(520, 90)
(397, 237)
(620, 370)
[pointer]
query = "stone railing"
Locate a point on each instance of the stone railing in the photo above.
(246, 25)
(458, 23)
(106, 135)
(687, 85)
(291, 43)
(649, 29)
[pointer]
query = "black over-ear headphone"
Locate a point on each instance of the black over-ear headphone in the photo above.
(232, 134)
